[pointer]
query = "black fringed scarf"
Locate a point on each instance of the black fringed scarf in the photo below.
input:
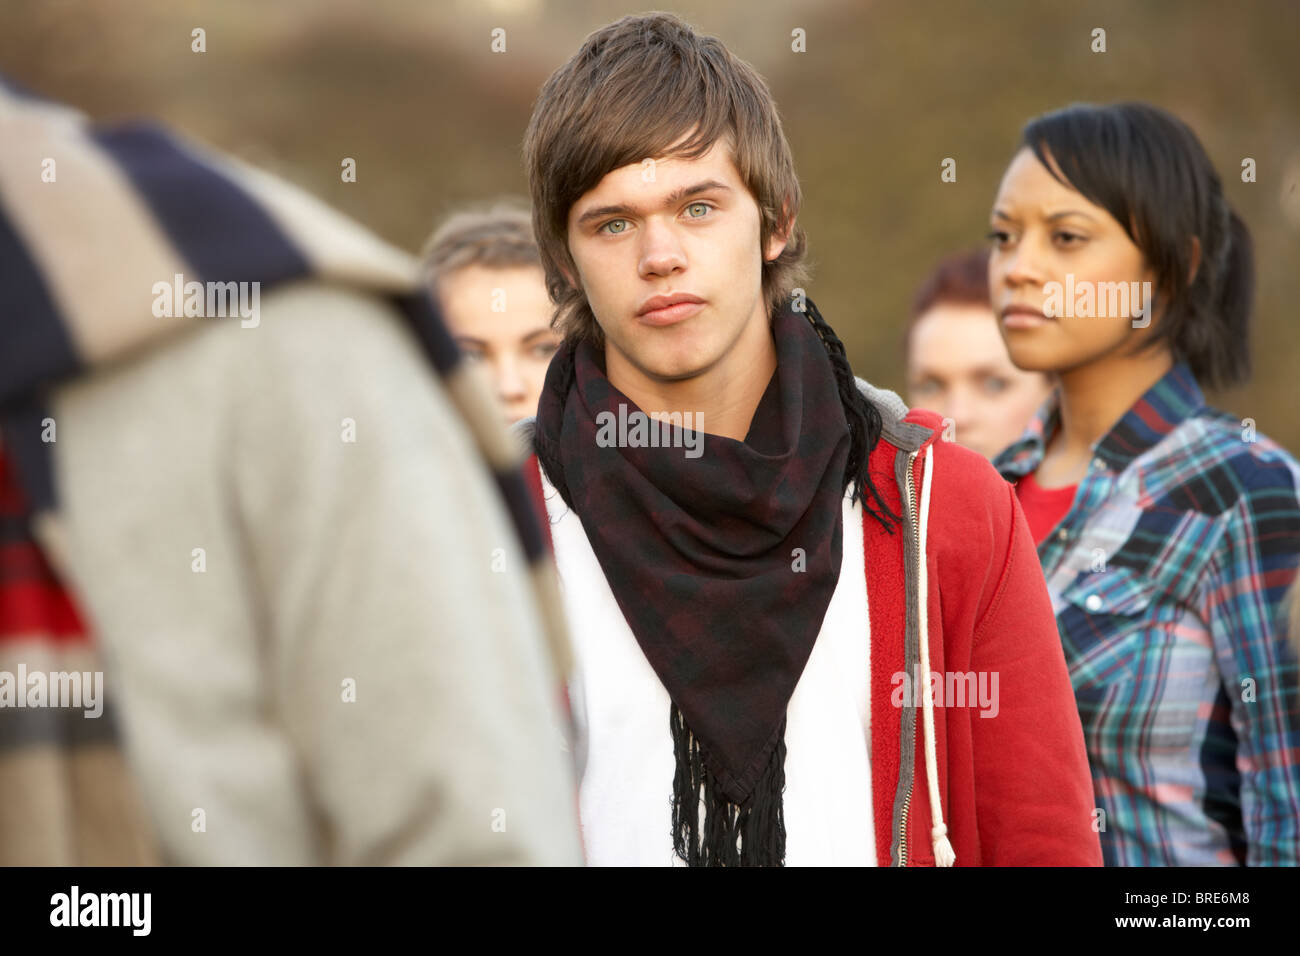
(723, 565)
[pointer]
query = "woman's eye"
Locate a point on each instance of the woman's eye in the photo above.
(703, 208)
(544, 350)
(998, 238)
(609, 226)
(473, 354)
(995, 386)
(1070, 238)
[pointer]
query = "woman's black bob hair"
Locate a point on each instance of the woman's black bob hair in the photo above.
(1149, 171)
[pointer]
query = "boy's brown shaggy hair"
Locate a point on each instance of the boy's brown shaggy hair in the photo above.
(634, 89)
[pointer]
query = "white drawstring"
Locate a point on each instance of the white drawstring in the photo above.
(943, 852)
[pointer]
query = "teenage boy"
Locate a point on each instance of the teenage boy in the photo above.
(751, 617)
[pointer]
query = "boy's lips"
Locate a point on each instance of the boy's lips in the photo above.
(662, 310)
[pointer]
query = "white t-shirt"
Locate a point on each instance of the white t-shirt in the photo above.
(622, 708)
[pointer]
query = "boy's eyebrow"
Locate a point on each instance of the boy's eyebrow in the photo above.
(671, 200)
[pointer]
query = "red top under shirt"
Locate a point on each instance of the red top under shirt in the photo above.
(1043, 507)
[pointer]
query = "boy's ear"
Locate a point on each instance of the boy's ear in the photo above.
(565, 265)
(776, 242)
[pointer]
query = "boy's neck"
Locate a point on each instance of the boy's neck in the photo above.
(724, 397)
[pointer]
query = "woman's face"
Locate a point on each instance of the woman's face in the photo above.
(1046, 233)
(957, 366)
(501, 318)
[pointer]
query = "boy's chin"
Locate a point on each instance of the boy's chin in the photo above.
(675, 368)
(668, 364)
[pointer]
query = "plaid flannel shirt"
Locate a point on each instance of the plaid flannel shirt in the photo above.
(1169, 576)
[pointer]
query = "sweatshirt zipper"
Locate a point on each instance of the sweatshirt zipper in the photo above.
(916, 540)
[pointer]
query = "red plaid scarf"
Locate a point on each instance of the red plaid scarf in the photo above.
(68, 797)
(31, 599)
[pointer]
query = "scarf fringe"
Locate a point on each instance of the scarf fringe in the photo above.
(751, 833)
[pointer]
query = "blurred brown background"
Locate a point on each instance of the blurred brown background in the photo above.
(885, 91)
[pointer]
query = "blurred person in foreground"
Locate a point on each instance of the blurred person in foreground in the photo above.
(1169, 531)
(483, 266)
(245, 469)
(957, 363)
(756, 591)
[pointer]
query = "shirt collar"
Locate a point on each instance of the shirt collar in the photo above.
(1174, 398)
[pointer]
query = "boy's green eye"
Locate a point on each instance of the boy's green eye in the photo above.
(621, 223)
(703, 207)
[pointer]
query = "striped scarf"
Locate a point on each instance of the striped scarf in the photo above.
(91, 221)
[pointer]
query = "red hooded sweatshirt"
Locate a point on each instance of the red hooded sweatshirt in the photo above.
(1014, 788)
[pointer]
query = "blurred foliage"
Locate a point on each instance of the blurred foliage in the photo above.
(884, 92)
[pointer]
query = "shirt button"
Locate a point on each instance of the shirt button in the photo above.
(1093, 602)
(1063, 534)
(1098, 464)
